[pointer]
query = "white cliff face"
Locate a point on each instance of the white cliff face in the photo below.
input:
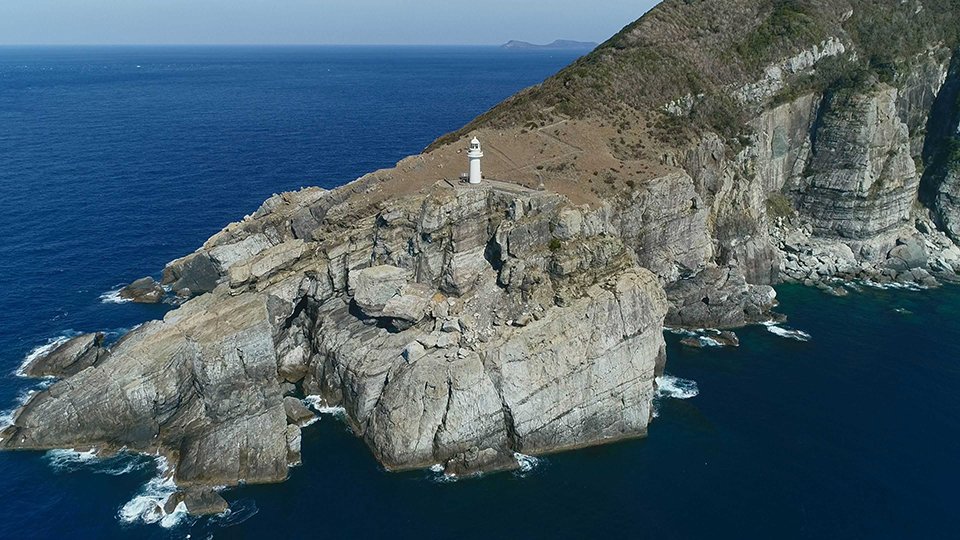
(453, 328)
(775, 76)
(861, 179)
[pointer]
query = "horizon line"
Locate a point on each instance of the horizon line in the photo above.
(499, 44)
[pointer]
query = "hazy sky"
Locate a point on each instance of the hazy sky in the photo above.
(312, 21)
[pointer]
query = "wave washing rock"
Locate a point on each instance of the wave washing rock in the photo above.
(674, 174)
(68, 358)
(143, 291)
(457, 349)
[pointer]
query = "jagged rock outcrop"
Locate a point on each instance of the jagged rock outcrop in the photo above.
(68, 358)
(450, 327)
(705, 153)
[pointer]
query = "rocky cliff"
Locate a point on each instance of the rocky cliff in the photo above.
(709, 150)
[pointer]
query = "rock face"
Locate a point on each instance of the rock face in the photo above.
(445, 325)
(861, 179)
(68, 358)
(941, 189)
(654, 180)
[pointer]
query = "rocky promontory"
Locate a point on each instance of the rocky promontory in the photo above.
(707, 152)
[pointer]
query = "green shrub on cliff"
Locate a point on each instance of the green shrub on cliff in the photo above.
(779, 205)
(790, 23)
(952, 153)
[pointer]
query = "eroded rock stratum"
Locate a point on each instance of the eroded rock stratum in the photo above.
(454, 327)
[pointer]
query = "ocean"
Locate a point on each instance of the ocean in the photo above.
(115, 160)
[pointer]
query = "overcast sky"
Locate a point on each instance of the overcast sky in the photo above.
(312, 21)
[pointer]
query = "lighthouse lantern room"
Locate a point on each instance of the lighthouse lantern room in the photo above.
(475, 153)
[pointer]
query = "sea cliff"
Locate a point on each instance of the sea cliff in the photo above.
(705, 153)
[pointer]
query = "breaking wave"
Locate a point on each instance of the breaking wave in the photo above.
(238, 512)
(706, 341)
(679, 331)
(319, 405)
(148, 506)
(706, 337)
(74, 460)
(70, 459)
(437, 475)
(672, 387)
(527, 464)
(788, 333)
(113, 297)
(893, 286)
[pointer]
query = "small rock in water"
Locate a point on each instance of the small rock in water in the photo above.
(728, 339)
(711, 338)
(199, 502)
(297, 412)
(143, 291)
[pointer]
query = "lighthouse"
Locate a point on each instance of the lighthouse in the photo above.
(475, 153)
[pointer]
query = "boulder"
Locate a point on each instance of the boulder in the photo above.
(198, 502)
(296, 411)
(143, 291)
(383, 292)
(909, 253)
(375, 286)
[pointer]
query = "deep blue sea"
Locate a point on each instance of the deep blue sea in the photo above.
(114, 161)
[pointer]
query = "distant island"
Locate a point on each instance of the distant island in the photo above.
(560, 44)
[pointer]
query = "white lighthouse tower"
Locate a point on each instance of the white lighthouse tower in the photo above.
(475, 153)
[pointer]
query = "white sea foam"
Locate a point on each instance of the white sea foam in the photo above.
(318, 404)
(527, 464)
(708, 342)
(680, 331)
(238, 512)
(70, 460)
(788, 333)
(148, 505)
(437, 475)
(113, 297)
(669, 386)
(893, 286)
